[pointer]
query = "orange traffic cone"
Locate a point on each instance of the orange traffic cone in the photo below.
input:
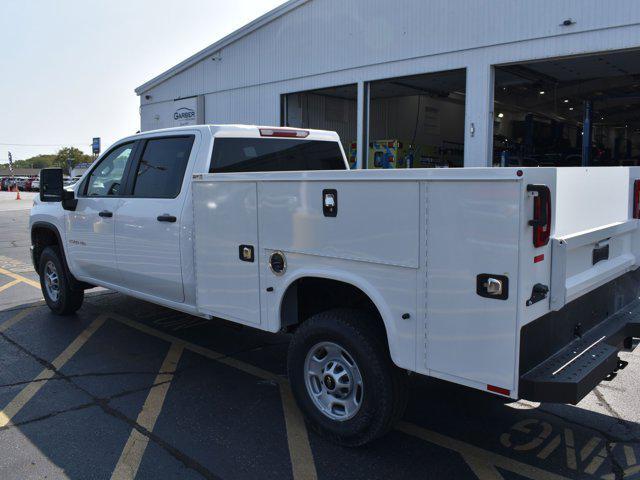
(17, 193)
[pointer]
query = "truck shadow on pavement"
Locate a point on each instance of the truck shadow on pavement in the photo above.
(126, 388)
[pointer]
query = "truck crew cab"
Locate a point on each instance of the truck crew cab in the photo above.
(520, 282)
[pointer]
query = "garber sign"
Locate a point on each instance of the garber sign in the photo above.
(184, 115)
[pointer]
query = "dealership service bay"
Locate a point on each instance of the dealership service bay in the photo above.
(127, 389)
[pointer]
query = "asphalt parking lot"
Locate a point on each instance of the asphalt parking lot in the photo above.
(127, 389)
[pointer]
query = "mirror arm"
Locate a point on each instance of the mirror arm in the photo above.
(69, 202)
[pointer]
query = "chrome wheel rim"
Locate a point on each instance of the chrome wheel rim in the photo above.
(333, 381)
(51, 281)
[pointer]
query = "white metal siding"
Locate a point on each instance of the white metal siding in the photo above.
(331, 35)
(325, 43)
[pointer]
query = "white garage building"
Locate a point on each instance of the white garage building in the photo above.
(438, 83)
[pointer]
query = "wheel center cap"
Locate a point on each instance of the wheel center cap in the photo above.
(329, 382)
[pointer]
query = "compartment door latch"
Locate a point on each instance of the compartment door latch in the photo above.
(246, 253)
(493, 286)
(330, 202)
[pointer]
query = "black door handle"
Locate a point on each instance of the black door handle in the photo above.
(106, 213)
(166, 218)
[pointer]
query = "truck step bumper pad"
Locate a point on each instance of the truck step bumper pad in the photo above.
(570, 374)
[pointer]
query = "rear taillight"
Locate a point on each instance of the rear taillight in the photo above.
(289, 133)
(636, 199)
(541, 222)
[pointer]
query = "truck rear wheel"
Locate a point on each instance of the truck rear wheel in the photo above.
(343, 378)
(54, 282)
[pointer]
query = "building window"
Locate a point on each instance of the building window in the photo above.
(568, 112)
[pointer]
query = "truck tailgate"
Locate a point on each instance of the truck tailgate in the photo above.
(586, 260)
(595, 239)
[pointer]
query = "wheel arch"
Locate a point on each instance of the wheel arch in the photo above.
(290, 314)
(45, 234)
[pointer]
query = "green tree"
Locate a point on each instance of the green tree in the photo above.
(69, 157)
(39, 161)
(59, 159)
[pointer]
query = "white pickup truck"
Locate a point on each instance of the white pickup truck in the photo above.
(520, 282)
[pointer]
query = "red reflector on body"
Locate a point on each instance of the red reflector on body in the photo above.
(501, 391)
(538, 258)
(270, 132)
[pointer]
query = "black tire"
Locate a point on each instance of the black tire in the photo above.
(383, 390)
(68, 300)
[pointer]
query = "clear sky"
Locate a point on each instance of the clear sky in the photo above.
(68, 68)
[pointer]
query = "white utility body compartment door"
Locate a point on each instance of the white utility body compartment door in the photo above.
(225, 220)
(472, 229)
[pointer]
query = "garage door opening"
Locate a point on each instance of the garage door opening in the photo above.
(568, 112)
(332, 108)
(417, 121)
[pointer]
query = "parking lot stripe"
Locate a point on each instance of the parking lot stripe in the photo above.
(630, 455)
(466, 449)
(589, 448)
(302, 463)
(134, 449)
(20, 278)
(9, 285)
(32, 388)
(482, 469)
(597, 461)
(16, 318)
(205, 352)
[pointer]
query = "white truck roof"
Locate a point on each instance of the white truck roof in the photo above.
(240, 131)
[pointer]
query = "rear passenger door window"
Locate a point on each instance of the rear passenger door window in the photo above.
(161, 167)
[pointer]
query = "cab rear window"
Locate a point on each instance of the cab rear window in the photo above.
(274, 155)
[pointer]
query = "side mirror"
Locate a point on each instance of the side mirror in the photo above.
(52, 189)
(51, 186)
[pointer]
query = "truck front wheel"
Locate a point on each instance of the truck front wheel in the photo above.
(343, 378)
(54, 282)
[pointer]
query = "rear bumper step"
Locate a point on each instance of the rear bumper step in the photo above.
(570, 374)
